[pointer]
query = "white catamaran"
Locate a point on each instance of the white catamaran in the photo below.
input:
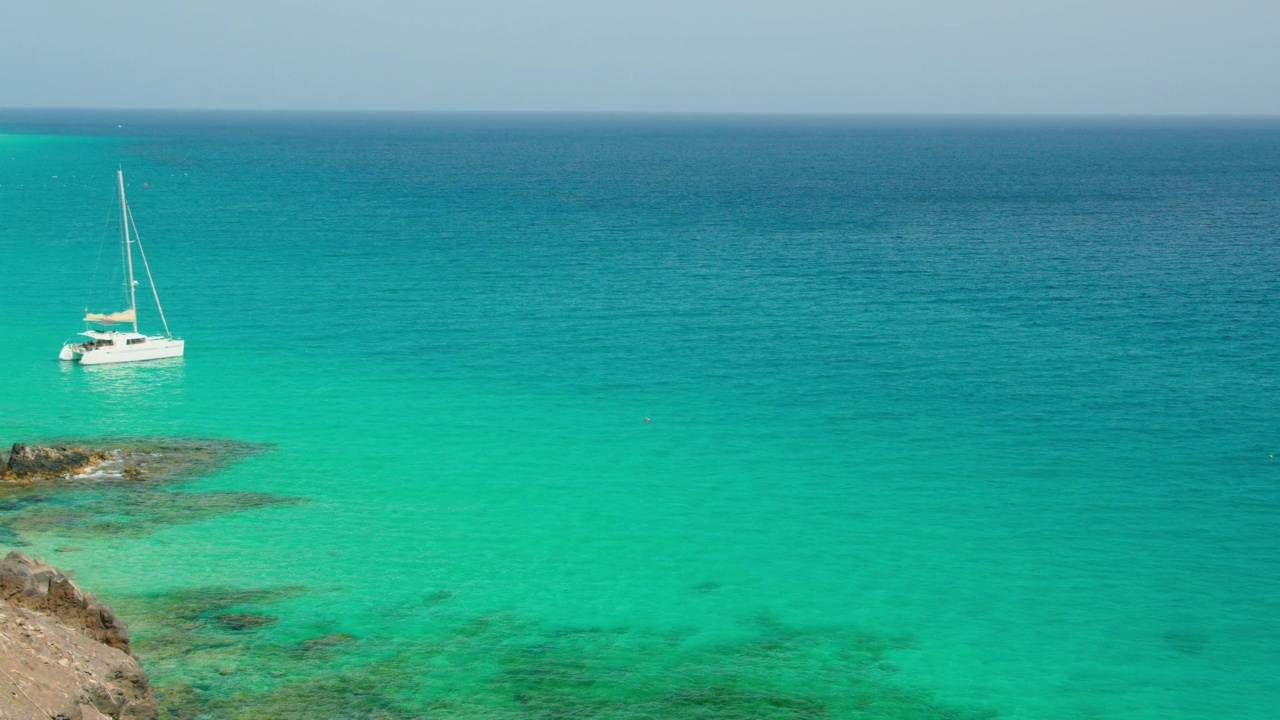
(116, 346)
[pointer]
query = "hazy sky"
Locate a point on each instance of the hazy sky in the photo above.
(886, 56)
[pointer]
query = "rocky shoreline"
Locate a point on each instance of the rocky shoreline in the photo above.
(63, 654)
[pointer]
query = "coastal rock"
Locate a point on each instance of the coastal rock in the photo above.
(28, 463)
(33, 585)
(107, 460)
(63, 654)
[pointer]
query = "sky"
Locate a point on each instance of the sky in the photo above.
(797, 56)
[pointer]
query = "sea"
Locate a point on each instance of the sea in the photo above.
(667, 417)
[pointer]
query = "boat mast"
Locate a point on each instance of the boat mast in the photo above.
(150, 280)
(128, 255)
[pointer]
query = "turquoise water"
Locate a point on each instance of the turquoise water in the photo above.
(948, 418)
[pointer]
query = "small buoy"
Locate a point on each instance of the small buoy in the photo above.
(646, 419)
(145, 185)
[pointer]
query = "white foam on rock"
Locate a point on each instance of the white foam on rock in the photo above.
(112, 468)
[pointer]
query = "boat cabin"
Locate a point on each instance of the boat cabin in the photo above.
(104, 338)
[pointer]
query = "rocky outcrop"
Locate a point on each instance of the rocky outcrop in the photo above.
(28, 463)
(33, 585)
(63, 654)
(109, 460)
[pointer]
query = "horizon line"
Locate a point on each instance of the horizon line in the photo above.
(708, 113)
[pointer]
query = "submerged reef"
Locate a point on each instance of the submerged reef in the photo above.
(124, 489)
(461, 665)
(133, 512)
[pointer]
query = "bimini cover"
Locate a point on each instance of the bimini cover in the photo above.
(124, 316)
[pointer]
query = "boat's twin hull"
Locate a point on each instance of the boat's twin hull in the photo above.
(150, 350)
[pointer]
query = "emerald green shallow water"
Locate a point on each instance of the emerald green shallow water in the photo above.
(948, 418)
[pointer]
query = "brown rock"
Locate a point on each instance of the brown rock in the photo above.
(36, 586)
(64, 654)
(38, 462)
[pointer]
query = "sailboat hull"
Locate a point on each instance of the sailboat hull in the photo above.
(150, 350)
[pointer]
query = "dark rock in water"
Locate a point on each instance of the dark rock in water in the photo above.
(138, 460)
(67, 653)
(244, 621)
(38, 462)
(326, 641)
(135, 511)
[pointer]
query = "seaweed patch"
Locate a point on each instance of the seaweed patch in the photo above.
(503, 667)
